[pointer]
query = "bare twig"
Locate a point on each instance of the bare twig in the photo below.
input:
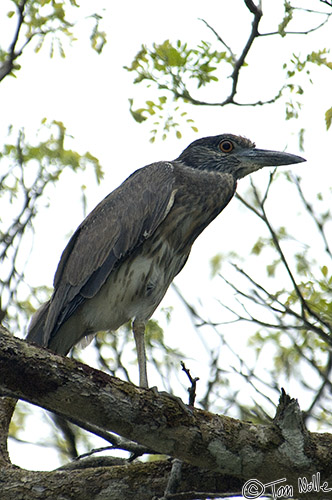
(310, 326)
(327, 2)
(173, 480)
(238, 64)
(310, 210)
(306, 308)
(201, 495)
(267, 190)
(117, 442)
(192, 388)
(220, 39)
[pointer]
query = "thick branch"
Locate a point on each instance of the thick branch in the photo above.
(140, 481)
(216, 443)
(7, 406)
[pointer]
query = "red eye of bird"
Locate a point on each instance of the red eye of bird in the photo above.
(226, 146)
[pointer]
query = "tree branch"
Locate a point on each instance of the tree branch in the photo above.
(310, 210)
(306, 307)
(237, 65)
(111, 481)
(257, 12)
(327, 2)
(8, 65)
(216, 443)
(220, 39)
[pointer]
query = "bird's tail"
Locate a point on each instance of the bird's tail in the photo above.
(36, 330)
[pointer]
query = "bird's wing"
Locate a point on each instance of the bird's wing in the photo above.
(118, 225)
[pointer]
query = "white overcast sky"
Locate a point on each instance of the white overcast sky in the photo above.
(90, 93)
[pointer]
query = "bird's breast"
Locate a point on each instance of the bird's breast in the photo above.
(135, 288)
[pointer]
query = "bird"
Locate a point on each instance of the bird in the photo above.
(120, 261)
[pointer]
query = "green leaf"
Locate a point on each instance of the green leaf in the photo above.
(258, 246)
(216, 263)
(287, 18)
(328, 118)
(136, 114)
(325, 271)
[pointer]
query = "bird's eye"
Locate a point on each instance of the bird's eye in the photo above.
(226, 146)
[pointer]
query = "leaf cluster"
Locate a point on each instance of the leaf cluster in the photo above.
(292, 307)
(167, 117)
(288, 16)
(28, 170)
(175, 62)
(170, 67)
(294, 68)
(50, 21)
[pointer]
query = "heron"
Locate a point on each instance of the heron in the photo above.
(122, 258)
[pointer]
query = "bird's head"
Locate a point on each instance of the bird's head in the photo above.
(232, 154)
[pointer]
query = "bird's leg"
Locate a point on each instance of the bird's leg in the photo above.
(139, 331)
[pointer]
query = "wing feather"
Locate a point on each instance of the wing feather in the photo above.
(119, 224)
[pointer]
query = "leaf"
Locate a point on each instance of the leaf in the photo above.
(216, 263)
(271, 268)
(325, 271)
(301, 139)
(286, 20)
(258, 247)
(136, 114)
(328, 118)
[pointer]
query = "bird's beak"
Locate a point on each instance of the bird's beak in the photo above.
(254, 159)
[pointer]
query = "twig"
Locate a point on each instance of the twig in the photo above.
(193, 381)
(201, 495)
(173, 480)
(267, 190)
(254, 9)
(306, 32)
(95, 450)
(8, 64)
(310, 326)
(304, 304)
(117, 442)
(257, 12)
(311, 212)
(219, 38)
(237, 65)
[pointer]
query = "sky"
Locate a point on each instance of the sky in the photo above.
(90, 93)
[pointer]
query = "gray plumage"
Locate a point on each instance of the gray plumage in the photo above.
(121, 260)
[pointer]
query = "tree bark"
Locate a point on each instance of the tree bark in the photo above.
(219, 447)
(129, 482)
